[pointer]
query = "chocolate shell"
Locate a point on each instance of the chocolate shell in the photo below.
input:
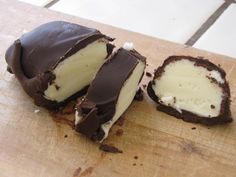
(110, 94)
(192, 89)
(47, 61)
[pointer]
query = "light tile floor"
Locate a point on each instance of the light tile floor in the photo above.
(37, 2)
(221, 36)
(174, 20)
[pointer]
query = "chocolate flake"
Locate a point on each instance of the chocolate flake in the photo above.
(193, 128)
(139, 95)
(57, 87)
(212, 106)
(110, 148)
(148, 74)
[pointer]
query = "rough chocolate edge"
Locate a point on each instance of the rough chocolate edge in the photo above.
(225, 113)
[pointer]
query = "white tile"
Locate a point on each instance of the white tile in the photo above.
(221, 36)
(37, 2)
(174, 20)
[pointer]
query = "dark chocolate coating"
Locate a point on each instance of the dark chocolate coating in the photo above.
(34, 56)
(225, 114)
(99, 104)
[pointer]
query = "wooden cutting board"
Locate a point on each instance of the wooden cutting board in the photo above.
(153, 143)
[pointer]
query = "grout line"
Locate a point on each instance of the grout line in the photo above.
(50, 4)
(208, 23)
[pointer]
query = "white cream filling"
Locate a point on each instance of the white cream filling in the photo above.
(78, 117)
(128, 46)
(126, 97)
(170, 101)
(77, 71)
(216, 75)
(184, 86)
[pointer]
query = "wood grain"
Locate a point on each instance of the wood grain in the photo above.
(35, 145)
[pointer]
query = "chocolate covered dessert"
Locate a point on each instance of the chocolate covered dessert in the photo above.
(193, 89)
(56, 61)
(110, 93)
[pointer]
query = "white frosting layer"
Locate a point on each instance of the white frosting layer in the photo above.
(77, 71)
(184, 86)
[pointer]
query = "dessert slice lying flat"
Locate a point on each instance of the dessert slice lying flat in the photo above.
(193, 89)
(57, 61)
(110, 94)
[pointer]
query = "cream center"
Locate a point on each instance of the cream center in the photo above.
(77, 71)
(184, 86)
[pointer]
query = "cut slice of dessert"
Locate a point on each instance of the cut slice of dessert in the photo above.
(193, 89)
(110, 93)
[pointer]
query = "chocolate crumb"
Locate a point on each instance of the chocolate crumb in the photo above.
(208, 127)
(139, 95)
(57, 87)
(141, 164)
(119, 132)
(148, 74)
(134, 164)
(65, 136)
(136, 157)
(212, 106)
(193, 128)
(110, 148)
(9, 69)
(212, 80)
